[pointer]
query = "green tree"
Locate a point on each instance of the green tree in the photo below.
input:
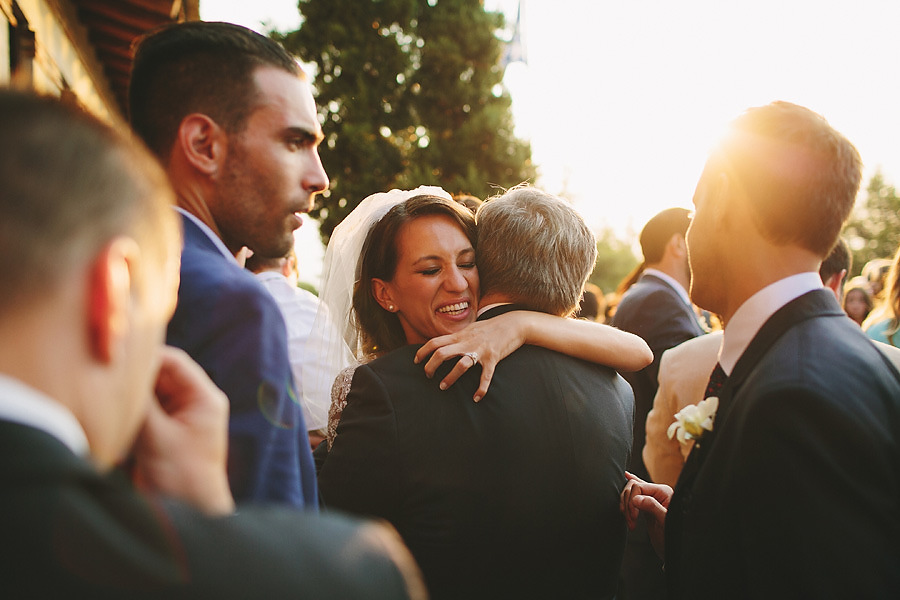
(615, 260)
(873, 230)
(410, 93)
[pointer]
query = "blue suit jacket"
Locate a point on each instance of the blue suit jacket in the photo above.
(793, 494)
(232, 327)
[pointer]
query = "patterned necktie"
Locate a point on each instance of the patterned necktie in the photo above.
(716, 381)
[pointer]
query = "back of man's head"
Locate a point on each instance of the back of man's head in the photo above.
(198, 67)
(837, 262)
(70, 185)
(798, 175)
(659, 230)
(535, 250)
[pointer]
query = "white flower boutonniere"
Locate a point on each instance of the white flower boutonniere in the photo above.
(693, 421)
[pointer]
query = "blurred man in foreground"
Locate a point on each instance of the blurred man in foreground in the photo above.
(85, 381)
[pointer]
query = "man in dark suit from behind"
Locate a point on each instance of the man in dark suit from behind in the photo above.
(514, 496)
(658, 309)
(85, 381)
(793, 493)
(232, 118)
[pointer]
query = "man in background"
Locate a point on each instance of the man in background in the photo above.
(658, 309)
(298, 307)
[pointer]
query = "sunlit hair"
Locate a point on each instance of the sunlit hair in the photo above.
(198, 67)
(71, 185)
(381, 330)
(800, 176)
(892, 297)
(534, 248)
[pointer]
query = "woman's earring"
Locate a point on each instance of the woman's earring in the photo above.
(391, 307)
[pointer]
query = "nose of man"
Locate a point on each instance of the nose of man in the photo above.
(314, 178)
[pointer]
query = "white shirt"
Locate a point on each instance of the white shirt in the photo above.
(671, 281)
(484, 309)
(20, 403)
(756, 310)
(298, 307)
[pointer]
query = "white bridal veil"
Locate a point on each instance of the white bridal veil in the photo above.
(334, 343)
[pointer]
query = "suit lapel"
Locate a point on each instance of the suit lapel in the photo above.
(817, 303)
(813, 304)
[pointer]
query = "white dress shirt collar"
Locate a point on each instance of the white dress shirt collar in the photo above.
(484, 309)
(219, 244)
(756, 310)
(20, 403)
(671, 281)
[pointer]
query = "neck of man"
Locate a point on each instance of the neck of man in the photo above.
(762, 266)
(676, 268)
(492, 298)
(196, 205)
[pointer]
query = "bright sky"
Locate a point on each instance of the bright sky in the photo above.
(622, 100)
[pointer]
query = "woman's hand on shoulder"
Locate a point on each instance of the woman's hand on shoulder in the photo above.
(490, 341)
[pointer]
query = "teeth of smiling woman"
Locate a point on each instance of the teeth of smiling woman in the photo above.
(454, 308)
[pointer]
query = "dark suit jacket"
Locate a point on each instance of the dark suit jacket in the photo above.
(653, 310)
(795, 492)
(69, 532)
(232, 326)
(513, 497)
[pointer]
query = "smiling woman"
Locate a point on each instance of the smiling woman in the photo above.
(419, 261)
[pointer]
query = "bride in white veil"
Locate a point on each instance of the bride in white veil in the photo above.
(335, 342)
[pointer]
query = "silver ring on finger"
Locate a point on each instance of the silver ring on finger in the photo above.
(473, 356)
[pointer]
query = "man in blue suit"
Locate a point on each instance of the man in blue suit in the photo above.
(658, 309)
(793, 492)
(231, 116)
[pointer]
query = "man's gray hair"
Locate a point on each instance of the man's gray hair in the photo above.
(534, 248)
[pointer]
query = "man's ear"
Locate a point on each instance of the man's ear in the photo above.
(382, 293)
(677, 245)
(203, 142)
(835, 283)
(109, 297)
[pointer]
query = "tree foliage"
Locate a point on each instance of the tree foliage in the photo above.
(615, 260)
(409, 94)
(873, 230)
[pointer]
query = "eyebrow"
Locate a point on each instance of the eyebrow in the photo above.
(307, 136)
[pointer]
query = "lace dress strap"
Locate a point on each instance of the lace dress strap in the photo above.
(339, 391)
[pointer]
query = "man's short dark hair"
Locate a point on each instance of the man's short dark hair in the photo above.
(70, 185)
(197, 67)
(838, 260)
(659, 230)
